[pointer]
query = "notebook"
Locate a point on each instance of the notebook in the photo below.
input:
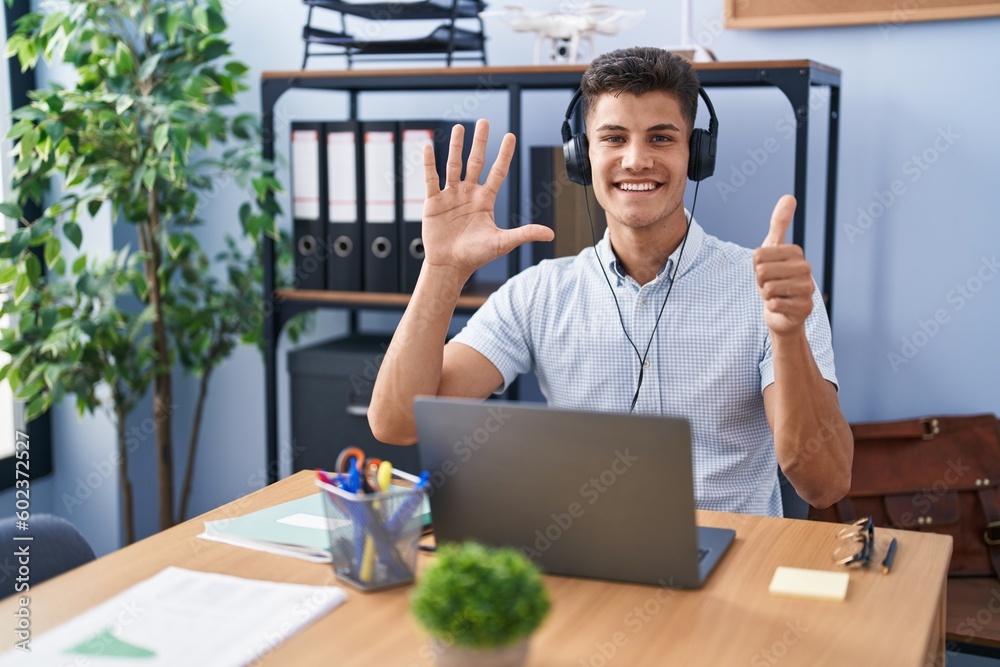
(602, 495)
(298, 528)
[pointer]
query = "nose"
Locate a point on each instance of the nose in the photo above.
(636, 156)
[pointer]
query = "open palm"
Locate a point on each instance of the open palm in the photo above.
(459, 222)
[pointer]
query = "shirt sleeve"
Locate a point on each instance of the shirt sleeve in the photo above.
(500, 329)
(820, 342)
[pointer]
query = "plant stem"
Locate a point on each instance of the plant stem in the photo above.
(126, 485)
(162, 385)
(193, 438)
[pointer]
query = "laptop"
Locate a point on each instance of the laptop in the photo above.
(585, 494)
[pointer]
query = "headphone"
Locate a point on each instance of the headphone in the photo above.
(701, 163)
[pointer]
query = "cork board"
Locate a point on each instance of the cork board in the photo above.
(888, 13)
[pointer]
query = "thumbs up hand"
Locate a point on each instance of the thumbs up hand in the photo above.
(784, 277)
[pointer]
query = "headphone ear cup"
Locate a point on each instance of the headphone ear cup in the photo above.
(701, 162)
(576, 155)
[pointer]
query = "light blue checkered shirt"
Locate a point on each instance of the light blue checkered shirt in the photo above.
(709, 361)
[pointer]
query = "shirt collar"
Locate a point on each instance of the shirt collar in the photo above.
(695, 239)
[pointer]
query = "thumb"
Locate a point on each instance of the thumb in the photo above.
(512, 238)
(781, 218)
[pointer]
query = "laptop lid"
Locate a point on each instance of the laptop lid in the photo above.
(586, 494)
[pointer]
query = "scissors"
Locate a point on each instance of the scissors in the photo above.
(353, 458)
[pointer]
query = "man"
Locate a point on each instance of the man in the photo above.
(741, 349)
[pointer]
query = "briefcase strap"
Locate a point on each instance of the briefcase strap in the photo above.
(924, 429)
(988, 499)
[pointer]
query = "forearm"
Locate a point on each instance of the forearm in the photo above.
(413, 361)
(812, 439)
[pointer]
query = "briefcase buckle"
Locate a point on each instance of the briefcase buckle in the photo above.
(931, 428)
(992, 533)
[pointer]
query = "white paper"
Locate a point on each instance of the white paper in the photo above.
(182, 617)
(302, 520)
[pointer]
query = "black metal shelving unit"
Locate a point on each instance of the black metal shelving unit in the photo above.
(794, 78)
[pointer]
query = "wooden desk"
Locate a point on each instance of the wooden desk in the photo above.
(974, 615)
(896, 619)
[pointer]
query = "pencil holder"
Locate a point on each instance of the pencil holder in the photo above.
(373, 537)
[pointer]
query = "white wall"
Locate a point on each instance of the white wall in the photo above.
(903, 87)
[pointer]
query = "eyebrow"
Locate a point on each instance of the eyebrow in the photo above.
(655, 128)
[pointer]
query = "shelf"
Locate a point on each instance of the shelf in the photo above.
(473, 297)
(403, 11)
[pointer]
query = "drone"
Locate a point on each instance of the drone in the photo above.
(566, 31)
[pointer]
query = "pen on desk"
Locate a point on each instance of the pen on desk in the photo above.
(887, 563)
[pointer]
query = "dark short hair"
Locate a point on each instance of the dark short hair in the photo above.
(638, 70)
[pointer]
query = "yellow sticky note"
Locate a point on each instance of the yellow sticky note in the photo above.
(813, 584)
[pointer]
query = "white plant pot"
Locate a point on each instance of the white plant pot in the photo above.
(461, 656)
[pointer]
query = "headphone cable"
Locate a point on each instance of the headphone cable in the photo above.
(670, 287)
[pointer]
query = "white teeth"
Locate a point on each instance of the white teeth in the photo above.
(637, 187)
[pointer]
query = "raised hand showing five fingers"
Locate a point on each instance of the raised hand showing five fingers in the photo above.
(459, 223)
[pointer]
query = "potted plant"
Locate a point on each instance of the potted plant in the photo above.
(145, 133)
(480, 605)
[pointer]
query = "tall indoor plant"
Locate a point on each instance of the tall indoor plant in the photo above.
(144, 131)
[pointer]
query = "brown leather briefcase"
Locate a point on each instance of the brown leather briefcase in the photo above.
(936, 474)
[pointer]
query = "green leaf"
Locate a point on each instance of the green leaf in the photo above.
(123, 59)
(79, 264)
(33, 268)
(51, 374)
(60, 266)
(11, 210)
(53, 248)
(36, 406)
(212, 48)
(149, 178)
(19, 241)
(7, 275)
(173, 25)
(123, 104)
(50, 23)
(149, 66)
(237, 68)
(160, 136)
(73, 233)
(200, 16)
(93, 206)
(21, 287)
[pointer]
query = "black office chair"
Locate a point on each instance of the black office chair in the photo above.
(793, 506)
(56, 547)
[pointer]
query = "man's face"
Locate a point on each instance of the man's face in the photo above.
(639, 157)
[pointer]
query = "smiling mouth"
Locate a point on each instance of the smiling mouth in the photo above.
(642, 186)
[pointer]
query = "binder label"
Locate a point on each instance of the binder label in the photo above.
(380, 178)
(305, 174)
